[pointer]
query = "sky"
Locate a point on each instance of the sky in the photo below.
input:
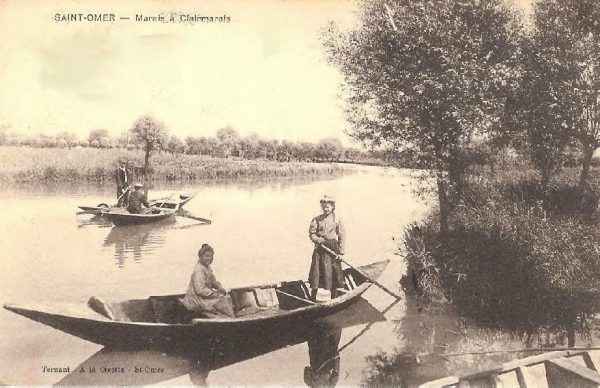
(264, 72)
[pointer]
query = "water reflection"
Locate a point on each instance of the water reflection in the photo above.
(436, 340)
(324, 357)
(198, 360)
(97, 221)
(131, 242)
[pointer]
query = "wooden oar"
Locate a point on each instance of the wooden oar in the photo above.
(295, 297)
(123, 193)
(183, 213)
(384, 288)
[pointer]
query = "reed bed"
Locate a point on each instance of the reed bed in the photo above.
(24, 164)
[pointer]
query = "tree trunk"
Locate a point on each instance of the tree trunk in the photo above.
(443, 203)
(147, 160)
(545, 181)
(588, 153)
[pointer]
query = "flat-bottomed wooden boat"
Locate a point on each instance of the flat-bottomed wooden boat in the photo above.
(568, 368)
(167, 202)
(120, 216)
(156, 321)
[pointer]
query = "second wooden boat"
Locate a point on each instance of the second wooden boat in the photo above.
(120, 216)
(167, 202)
(568, 368)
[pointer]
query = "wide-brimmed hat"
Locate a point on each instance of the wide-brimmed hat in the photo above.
(327, 199)
(138, 184)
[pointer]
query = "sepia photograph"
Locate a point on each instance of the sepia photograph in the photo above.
(300, 193)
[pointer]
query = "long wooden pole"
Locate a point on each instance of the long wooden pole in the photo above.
(366, 328)
(384, 288)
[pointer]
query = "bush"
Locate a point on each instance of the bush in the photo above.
(514, 258)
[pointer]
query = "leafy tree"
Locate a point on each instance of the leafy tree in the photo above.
(329, 149)
(175, 145)
(583, 30)
(67, 139)
(249, 147)
(306, 151)
(95, 137)
(150, 134)
(3, 136)
(228, 140)
(555, 102)
(426, 75)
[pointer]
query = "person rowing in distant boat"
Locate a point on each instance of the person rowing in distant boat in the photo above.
(136, 199)
(123, 177)
(205, 295)
(326, 230)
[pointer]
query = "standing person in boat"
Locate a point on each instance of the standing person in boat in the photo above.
(327, 230)
(122, 177)
(205, 295)
(136, 199)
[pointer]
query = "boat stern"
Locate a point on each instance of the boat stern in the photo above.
(374, 270)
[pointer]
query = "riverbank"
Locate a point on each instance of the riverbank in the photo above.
(513, 251)
(24, 164)
(518, 263)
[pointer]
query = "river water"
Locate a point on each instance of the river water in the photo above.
(259, 233)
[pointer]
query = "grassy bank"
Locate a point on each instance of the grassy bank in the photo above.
(24, 164)
(515, 257)
(519, 264)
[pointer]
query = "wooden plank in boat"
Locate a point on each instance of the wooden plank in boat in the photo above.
(508, 379)
(565, 373)
(443, 382)
(595, 359)
(533, 376)
(484, 382)
(578, 359)
(533, 360)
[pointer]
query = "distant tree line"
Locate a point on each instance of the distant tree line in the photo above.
(152, 135)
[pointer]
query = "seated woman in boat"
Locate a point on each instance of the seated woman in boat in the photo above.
(205, 295)
(326, 269)
(136, 199)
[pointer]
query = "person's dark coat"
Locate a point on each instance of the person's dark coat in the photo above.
(136, 200)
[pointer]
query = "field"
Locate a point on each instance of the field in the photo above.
(24, 164)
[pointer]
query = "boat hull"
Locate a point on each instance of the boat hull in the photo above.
(99, 210)
(120, 219)
(91, 326)
(133, 335)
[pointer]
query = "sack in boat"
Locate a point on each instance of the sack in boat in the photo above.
(224, 306)
(243, 299)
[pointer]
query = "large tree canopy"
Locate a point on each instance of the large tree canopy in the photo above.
(556, 102)
(151, 134)
(427, 75)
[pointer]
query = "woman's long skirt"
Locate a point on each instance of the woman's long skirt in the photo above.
(325, 271)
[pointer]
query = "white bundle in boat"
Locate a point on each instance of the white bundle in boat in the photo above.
(323, 295)
(266, 297)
